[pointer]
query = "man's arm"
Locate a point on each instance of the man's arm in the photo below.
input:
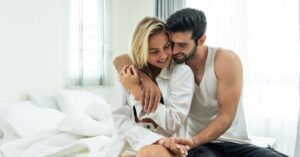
(150, 91)
(121, 61)
(228, 71)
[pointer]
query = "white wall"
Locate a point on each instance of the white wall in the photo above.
(33, 46)
(33, 37)
(125, 15)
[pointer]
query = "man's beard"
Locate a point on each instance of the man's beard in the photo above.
(186, 58)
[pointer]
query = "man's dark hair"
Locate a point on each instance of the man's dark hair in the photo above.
(188, 19)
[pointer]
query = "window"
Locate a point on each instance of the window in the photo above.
(89, 42)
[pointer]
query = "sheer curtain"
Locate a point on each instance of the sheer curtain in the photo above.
(164, 8)
(265, 34)
(297, 151)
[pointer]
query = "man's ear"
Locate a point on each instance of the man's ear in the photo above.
(202, 40)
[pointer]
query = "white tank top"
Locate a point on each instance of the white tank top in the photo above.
(205, 106)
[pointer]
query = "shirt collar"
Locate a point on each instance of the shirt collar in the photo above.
(166, 72)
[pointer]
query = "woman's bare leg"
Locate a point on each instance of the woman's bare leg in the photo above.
(154, 151)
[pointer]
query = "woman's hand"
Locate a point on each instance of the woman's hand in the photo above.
(185, 141)
(175, 148)
(130, 80)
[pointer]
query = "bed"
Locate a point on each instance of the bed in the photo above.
(68, 123)
(65, 123)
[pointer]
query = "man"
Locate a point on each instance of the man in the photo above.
(216, 124)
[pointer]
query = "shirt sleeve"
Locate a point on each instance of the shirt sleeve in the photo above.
(137, 136)
(172, 116)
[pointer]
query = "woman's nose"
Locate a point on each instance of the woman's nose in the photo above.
(164, 54)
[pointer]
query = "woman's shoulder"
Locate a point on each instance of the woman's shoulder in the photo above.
(181, 73)
(180, 68)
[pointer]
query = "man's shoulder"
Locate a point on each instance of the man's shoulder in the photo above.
(222, 53)
(226, 62)
(225, 56)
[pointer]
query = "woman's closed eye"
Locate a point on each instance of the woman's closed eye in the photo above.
(154, 51)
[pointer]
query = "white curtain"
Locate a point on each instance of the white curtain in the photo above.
(297, 150)
(265, 34)
(164, 8)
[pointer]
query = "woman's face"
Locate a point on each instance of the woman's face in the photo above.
(160, 50)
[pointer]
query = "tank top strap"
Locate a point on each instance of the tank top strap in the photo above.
(210, 56)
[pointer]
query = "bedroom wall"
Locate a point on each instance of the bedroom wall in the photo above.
(124, 18)
(33, 49)
(33, 46)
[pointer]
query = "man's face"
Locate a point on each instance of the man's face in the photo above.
(184, 46)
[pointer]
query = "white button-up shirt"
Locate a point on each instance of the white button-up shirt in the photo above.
(176, 84)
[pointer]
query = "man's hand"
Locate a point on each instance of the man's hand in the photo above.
(150, 94)
(176, 149)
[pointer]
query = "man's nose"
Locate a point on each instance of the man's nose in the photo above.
(175, 50)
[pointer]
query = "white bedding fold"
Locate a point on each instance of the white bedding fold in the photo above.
(55, 144)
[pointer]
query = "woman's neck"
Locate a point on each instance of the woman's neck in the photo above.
(152, 71)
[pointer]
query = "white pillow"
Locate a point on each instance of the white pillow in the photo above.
(9, 133)
(76, 101)
(7, 130)
(26, 121)
(82, 124)
(98, 111)
(43, 100)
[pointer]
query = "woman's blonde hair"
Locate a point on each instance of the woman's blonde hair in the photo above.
(139, 44)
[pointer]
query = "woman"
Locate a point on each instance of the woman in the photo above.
(151, 51)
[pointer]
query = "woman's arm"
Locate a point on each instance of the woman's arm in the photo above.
(173, 115)
(150, 95)
(136, 135)
(130, 79)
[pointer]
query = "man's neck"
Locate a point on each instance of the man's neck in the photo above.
(199, 57)
(197, 64)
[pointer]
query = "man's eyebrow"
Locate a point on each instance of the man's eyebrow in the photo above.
(182, 43)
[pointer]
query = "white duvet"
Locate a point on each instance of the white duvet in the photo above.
(40, 132)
